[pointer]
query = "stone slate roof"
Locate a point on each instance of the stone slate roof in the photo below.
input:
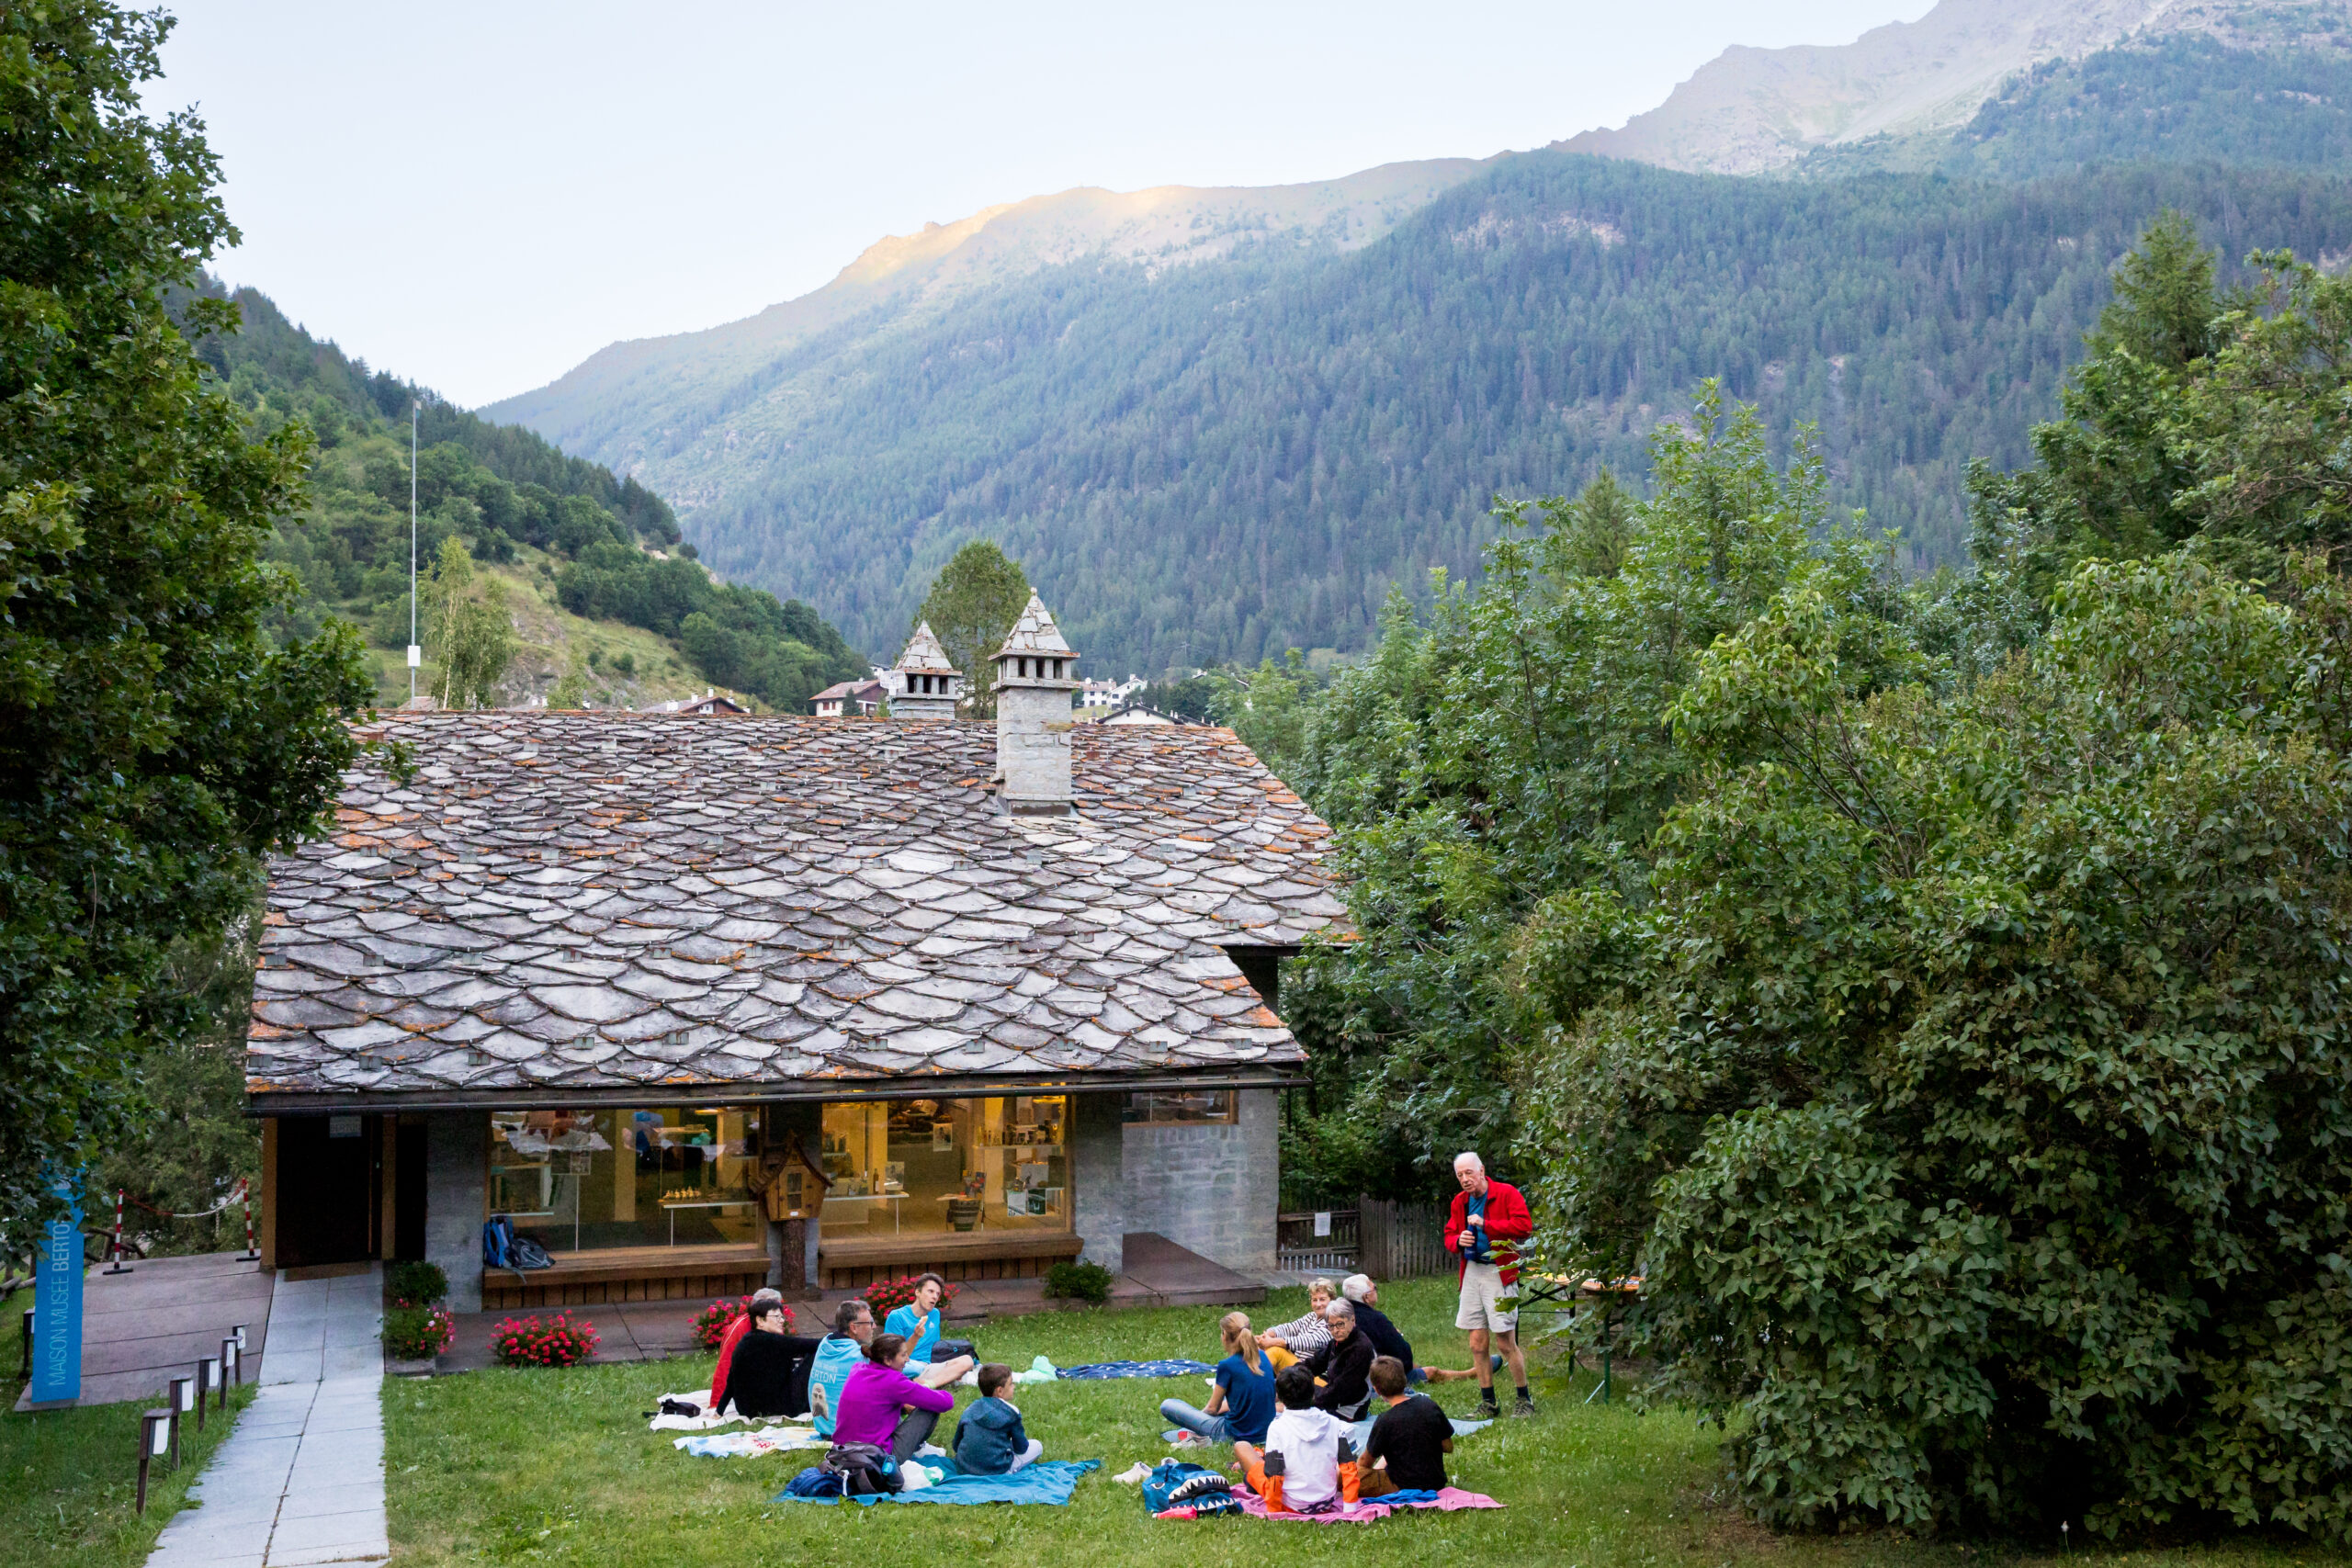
(567, 908)
(1034, 632)
(923, 656)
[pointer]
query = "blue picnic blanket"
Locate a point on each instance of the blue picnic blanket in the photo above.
(1047, 1480)
(1175, 1368)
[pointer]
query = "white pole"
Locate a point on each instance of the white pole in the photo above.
(413, 651)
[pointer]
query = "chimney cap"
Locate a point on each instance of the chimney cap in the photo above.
(1034, 633)
(923, 654)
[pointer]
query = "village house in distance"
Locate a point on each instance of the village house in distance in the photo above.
(700, 1000)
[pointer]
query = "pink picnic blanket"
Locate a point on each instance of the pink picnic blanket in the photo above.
(1447, 1501)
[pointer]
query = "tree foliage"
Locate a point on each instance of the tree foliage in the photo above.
(154, 740)
(971, 607)
(470, 632)
(1934, 993)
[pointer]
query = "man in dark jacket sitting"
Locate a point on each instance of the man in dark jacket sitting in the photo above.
(1360, 1294)
(1343, 1367)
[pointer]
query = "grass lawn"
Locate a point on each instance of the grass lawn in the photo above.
(68, 1478)
(556, 1467)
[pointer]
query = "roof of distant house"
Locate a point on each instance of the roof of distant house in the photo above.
(846, 689)
(566, 908)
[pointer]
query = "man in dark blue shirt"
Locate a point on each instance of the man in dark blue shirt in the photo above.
(1374, 1325)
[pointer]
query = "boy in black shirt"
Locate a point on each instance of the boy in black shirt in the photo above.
(1410, 1441)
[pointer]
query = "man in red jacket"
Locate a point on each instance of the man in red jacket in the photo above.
(1489, 1222)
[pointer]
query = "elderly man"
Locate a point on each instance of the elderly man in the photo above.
(840, 1353)
(1342, 1365)
(1488, 1221)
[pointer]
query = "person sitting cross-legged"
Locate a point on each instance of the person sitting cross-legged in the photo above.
(1299, 1469)
(1342, 1366)
(881, 1406)
(1243, 1402)
(989, 1439)
(1303, 1334)
(770, 1373)
(729, 1342)
(843, 1352)
(1409, 1440)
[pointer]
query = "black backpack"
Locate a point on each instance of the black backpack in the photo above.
(865, 1470)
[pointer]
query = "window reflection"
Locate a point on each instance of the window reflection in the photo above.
(921, 1166)
(583, 1180)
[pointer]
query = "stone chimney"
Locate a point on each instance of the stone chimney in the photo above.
(1035, 674)
(929, 686)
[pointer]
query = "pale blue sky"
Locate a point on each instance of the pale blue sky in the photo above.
(479, 195)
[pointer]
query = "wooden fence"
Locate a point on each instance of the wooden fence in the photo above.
(1401, 1241)
(1386, 1240)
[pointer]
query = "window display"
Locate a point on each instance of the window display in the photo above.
(583, 1180)
(1178, 1107)
(930, 1166)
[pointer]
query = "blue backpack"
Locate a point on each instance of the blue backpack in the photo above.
(1175, 1484)
(497, 1243)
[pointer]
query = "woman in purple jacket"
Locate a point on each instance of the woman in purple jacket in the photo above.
(881, 1406)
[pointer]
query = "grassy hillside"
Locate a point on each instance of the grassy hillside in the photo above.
(1217, 462)
(598, 586)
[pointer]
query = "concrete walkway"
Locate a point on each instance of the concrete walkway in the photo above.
(301, 1479)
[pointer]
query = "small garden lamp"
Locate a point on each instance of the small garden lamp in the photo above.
(154, 1441)
(182, 1400)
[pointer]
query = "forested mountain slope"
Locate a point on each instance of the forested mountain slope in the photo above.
(593, 584)
(634, 398)
(1199, 464)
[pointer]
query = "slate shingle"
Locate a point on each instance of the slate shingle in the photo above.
(610, 900)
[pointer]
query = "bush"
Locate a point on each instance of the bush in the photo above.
(1983, 1148)
(885, 1295)
(1084, 1281)
(418, 1333)
(417, 1284)
(712, 1323)
(560, 1341)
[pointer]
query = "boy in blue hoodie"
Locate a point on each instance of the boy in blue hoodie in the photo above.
(988, 1440)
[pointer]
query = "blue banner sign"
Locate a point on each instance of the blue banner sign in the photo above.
(57, 1306)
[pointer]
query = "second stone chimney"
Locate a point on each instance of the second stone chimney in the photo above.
(929, 686)
(1035, 674)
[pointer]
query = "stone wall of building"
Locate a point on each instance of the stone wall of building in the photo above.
(1213, 1187)
(457, 1162)
(1098, 1179)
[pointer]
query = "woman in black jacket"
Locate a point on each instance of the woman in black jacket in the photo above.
(770, 1372)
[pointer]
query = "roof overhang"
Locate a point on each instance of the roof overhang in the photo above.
(548, 1097)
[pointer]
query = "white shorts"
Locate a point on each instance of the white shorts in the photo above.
(1487, 1302)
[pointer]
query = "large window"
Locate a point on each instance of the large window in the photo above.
(579, 1180)
(907, 1167)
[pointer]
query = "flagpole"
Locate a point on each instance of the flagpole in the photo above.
(413, 661)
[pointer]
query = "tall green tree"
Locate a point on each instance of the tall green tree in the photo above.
(1497, 769)
(154, 742)
(971, 607)
(469, 632)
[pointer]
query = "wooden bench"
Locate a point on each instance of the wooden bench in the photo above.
(851, 1263)
(628, 1274)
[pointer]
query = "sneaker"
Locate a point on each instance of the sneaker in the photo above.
(1487, 1409)
(1522, 1406)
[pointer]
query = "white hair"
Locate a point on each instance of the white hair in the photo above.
(1342, 1308)
(1469, 1157)
(1355, 1287)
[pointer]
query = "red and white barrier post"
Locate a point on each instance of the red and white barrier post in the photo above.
(114, 1247)
(252, 1253)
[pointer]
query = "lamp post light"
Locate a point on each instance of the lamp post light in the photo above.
(208, 1376)
(154, 1439)
(415, 653)
(229, 1369)
(183, 1397)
